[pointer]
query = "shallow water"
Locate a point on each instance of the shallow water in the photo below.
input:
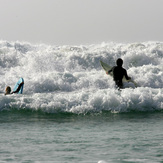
(104, 137)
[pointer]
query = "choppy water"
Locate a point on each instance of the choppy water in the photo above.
(70, 110)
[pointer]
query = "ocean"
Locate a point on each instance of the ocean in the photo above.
(70, 110)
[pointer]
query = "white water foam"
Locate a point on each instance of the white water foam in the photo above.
(70, 78)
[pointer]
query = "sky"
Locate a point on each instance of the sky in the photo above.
(76, 22)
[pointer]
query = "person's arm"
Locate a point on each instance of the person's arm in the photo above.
(126, 76)
(17, 90)
(108, 72)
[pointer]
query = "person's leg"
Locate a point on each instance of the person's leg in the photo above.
(119, 84)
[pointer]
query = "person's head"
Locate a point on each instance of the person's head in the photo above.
(7, 90)
(119, 62)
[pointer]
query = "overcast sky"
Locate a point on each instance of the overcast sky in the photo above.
(62, 22)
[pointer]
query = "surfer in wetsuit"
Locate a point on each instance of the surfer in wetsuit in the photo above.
(8, 89)
(118, 73)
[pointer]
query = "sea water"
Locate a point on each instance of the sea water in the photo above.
(70, 110)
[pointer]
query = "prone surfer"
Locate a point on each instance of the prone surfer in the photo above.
(118, 73)
(8, 89)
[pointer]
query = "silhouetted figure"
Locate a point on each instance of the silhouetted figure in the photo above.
(118, 73)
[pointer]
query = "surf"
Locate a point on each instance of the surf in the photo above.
(70, 78)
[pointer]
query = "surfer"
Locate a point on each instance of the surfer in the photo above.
(118, 73)
(8, 89)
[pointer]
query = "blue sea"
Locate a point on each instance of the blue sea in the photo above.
(70, 110)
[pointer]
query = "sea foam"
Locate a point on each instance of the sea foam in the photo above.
(70, 78)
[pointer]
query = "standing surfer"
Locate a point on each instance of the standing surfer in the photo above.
(118, 73)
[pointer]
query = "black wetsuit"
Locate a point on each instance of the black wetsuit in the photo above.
(118, 73)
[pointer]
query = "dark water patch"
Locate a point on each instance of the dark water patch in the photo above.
(28, 115)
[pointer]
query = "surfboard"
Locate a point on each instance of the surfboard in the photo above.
(17, 85)
(107, 68)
